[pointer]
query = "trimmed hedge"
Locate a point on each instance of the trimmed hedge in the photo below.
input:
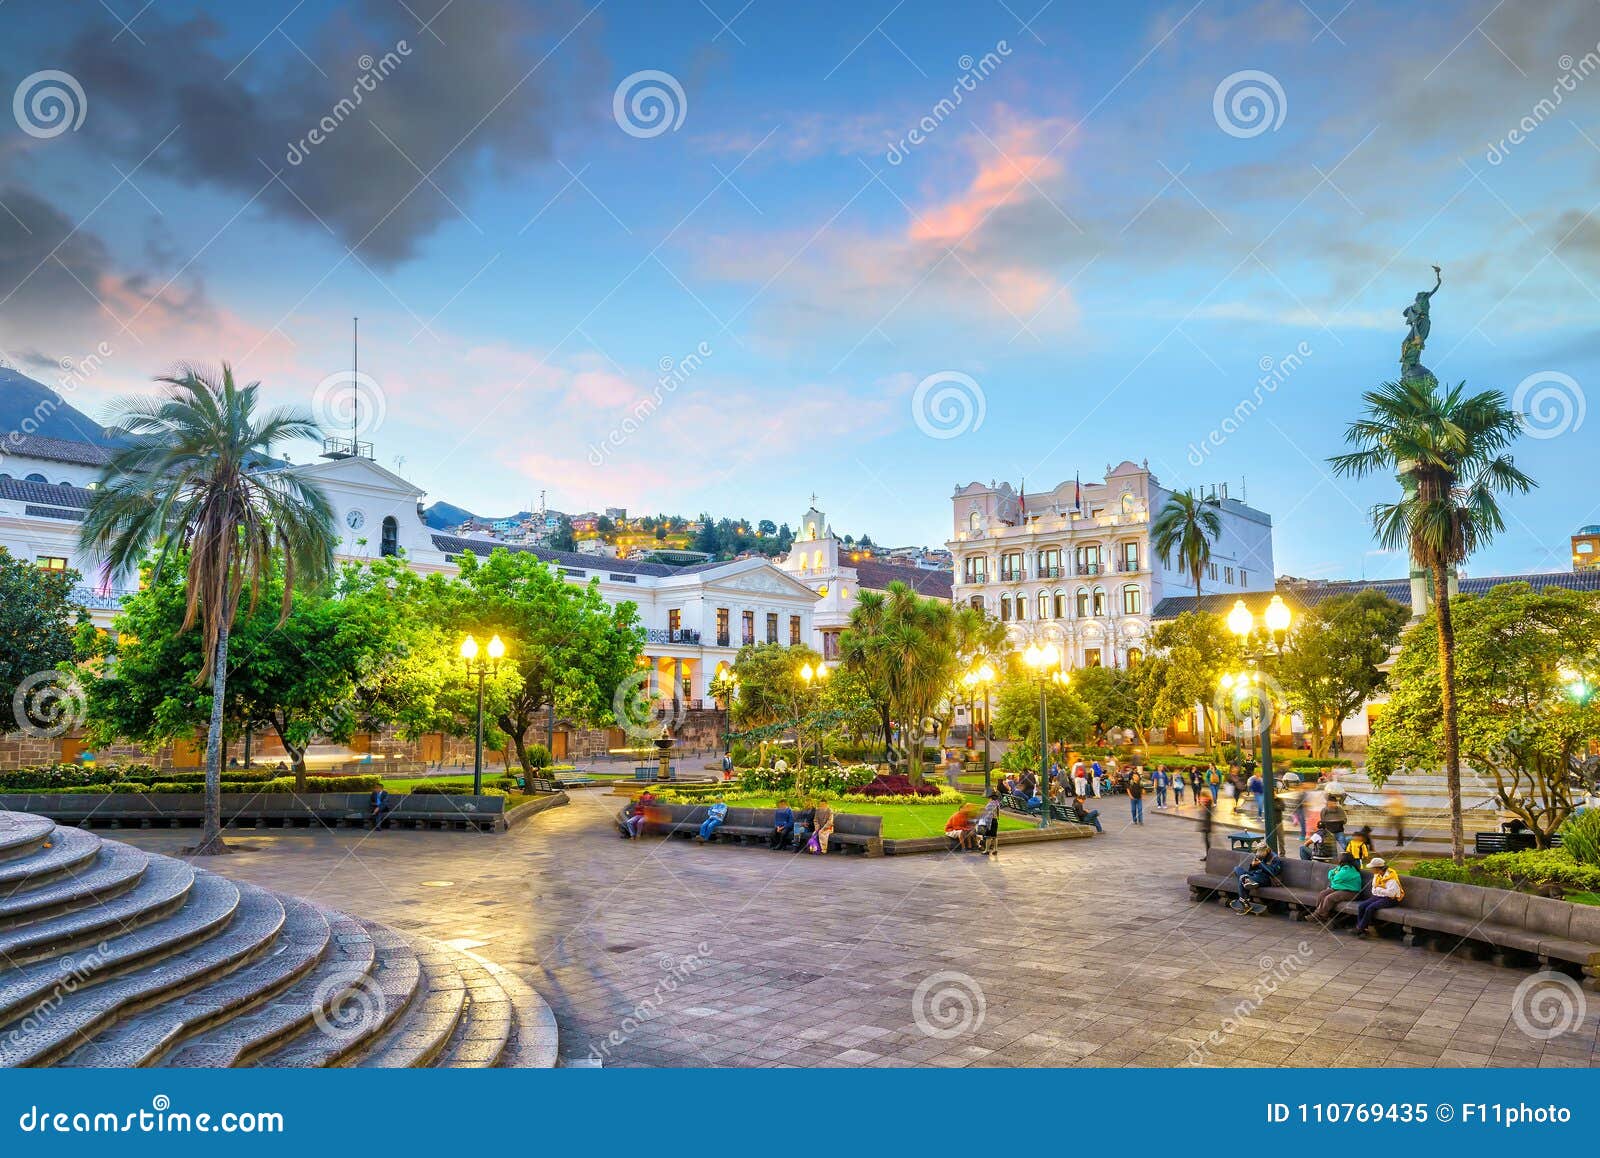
(178, 787)
(1529, 871)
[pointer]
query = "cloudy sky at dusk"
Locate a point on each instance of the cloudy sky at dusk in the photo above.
(1116, 218)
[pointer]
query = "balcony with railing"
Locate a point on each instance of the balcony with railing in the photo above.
(1050, 572)
(94, 599)
(1091, 568)
(682, 635)
(1128, 566)
(1012, 575)
(724, 639)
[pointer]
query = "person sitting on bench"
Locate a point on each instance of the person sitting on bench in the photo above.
(1316, 846)
(713, 821)
(1085, 815)
(988, 826)
(633, 817)
(1344, 884)
(1260, 871)
(961, 828)
(804, 821)
(1386, 893)
(782, 826)
(380, 805)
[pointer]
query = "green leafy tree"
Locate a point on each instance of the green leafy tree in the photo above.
(1110, 696)
(771, 691)
(1448, 449)
(1016, 714)
(1525, 715)
(1182, 534)
(564, 538)
(194, 472)
(571, 649)
(767, 527)
(38, 627)
(1330, 664)
(1195, 650)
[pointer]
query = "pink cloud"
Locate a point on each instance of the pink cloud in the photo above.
(1011, 163)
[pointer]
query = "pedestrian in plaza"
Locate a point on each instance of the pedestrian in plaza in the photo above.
(988, 826)
(1258, 790)
(1177, 788)
(1159, 780)
(1136, 797)
(782, 826)
(1333, 818)
(1344, 884)
(1207, 803)
(1294, 801)
(1387, 892)
(1213, 783)
(1394, 805)
(1360, 845)
(952, 769)
(1080, 780)
(1097, 776)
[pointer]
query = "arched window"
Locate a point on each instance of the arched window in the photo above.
(977, 603)
(975, 521)
(1099, 601)
(1044, 605)
(1127, 503)
(1134, 656)
(36, 478)
(1061, 605)
(1022, 607)
(1132, 600)
(1005, 609)
(390, 544)
(1083, 603)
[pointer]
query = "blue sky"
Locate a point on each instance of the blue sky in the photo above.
(1095, 246)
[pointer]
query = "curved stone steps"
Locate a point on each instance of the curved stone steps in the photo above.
(67, 850)
(367, 1010)
(343, 965)
(421, 1033)
(115, 870)
(21, 833)
(481, 1035)
(296, 944)
(161, 891)
(253, 917)
(534, 1043)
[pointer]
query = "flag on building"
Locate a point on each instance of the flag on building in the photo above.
(1077, 493)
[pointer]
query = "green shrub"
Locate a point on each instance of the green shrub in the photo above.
(1580, 837)
(506, 783)
(441, 790)
(1524, 871)
(538, 756)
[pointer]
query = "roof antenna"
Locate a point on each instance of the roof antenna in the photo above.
(355, 385)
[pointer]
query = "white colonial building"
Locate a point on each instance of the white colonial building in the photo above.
(1074, 565)
(695, 618)
(821, 561)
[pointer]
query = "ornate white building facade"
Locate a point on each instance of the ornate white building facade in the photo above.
(1074, 565)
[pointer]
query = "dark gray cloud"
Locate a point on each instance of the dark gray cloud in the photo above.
(47, 271)
(456, 99)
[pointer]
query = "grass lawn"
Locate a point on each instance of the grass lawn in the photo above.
(1583, 898)
(900, 821)
(400, 785)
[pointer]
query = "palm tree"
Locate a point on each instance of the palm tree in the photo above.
(1446, 448)
(1184, 530)
(195, 475)
(906, 651)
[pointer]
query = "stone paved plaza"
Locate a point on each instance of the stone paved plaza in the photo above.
(1084, 952)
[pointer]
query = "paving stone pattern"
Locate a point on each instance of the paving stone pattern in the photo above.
(1078, 953)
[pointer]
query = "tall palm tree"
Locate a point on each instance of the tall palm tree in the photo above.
(906, 650)
(1446, 447)
(1184, 530)
(195, 474)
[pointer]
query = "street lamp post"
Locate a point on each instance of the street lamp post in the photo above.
(981, 677)
(817, 677)
(1045, 661)
(1276, 620)
(482, 668)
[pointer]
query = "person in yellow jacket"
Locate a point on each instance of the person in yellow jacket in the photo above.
(1387, 891)
(1360, 846)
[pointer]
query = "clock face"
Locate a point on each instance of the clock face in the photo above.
(355, 520)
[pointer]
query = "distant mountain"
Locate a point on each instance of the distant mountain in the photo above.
(31, 407)
(442, 516)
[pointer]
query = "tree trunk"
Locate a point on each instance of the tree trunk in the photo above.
(515, 734)
(888, 734)
(211, 843)
(1447, 700)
